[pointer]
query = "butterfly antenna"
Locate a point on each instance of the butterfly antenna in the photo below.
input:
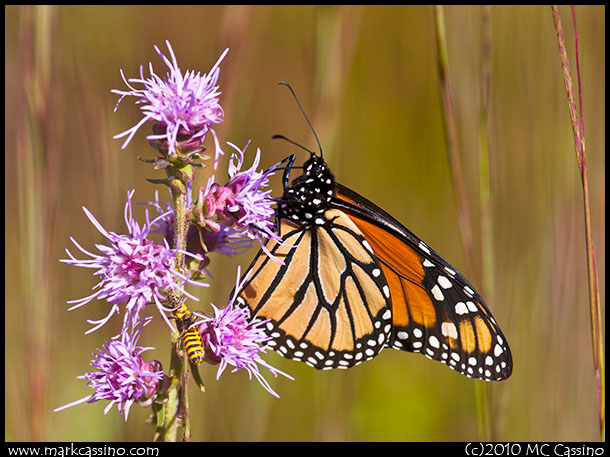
(305, 115)
(282, 137)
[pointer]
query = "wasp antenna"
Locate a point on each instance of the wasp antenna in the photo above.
(282, 137)
(305, 115)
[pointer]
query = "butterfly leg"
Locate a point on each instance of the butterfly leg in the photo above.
(286, 175)
(286, 182)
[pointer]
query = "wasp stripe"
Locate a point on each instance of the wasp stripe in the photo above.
(191, 338)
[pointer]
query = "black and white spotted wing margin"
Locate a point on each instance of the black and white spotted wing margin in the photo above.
(329, 304)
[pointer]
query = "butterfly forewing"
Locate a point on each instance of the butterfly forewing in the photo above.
(436, 311)
(329, 304)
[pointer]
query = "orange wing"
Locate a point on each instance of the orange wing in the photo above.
(435, 310)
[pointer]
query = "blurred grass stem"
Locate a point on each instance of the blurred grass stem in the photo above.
(450, 128)
(448, 116)
(37, 164)
(487, 248)
(579, 143)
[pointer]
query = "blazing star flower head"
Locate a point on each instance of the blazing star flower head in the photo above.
(185, 106)
(231, 337)
(252, 206)
(134, 270)
(121, 375)
(242, 203)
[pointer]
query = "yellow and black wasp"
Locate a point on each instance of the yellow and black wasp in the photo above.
(191, 338)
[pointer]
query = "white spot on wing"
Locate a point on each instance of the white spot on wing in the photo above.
(449, 329)
(436, 292)
(444, 282)
(367, 246)
(386, 291)
(460, 308)
(423, 247)
(498, 350)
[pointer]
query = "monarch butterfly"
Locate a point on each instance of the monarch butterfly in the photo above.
(191, 338)
(355, 280)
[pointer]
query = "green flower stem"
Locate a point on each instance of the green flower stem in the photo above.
(180, 226)
(168, 428)
(175, 411)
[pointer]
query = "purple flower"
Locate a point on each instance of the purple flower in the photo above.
(184, 106)
(134, 271)
(252, 205)
(231, 337)
(241, 203)
(121, 375)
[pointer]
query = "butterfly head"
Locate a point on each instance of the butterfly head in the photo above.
(308, 197)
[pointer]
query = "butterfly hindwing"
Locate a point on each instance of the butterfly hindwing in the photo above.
(329, 304)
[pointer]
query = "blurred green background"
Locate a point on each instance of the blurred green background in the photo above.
(368, 78)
